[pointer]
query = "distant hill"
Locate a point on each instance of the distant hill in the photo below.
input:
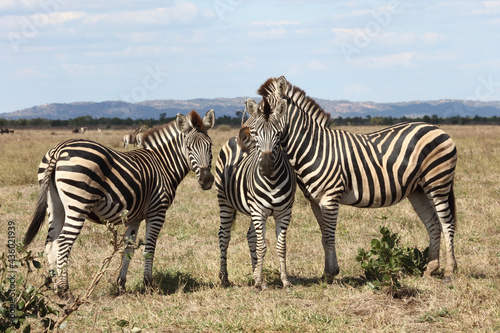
(229, 106)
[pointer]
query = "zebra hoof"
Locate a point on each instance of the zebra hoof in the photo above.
(328, 278)
(226, 284)
(447, 279)
(66, 296)
(260, 287)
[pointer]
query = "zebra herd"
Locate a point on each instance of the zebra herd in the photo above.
(287, 141)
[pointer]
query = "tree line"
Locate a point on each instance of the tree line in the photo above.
(235, 121)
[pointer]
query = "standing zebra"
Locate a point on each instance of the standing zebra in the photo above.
(254, 177)
(139, 138)
(81, 180)
(409, 160)
(131, 138)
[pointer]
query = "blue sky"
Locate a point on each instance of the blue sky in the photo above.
(61, 51)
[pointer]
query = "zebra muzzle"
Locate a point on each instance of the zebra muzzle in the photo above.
(206, 179)
(266, 165)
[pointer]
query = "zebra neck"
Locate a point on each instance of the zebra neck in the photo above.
(167, 146)
(302, 138)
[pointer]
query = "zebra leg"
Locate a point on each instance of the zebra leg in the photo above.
(282, 223)
(55, 210)
(259, 223)
(70, 231)
(252, 244)
(327, 220)
(130, 237)
(153, 227)
(444, 205)
(425, 211)
(227, 215)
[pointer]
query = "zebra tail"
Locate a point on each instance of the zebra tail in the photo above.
(41, 207)
(451, 200)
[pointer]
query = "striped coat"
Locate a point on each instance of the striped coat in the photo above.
(82, 180)
(409, 160)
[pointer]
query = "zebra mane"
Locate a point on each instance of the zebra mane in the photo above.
(298, 97)
(155, 129)
(196, 122)
(266, 109)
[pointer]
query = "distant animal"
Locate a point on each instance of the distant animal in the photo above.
(99, 130)
(139, 138)
(254, 177)
(131, 138)
(7, 131)
(84, 180)
(76, 130)
(408, 160)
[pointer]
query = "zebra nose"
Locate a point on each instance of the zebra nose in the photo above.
(206, 179)
(266, 164)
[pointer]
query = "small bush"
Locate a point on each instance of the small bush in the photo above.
(387, 261)
(19, 300)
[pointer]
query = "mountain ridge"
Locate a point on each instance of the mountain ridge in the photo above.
(229, 106)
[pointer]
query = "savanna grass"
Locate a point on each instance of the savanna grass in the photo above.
(189, 297)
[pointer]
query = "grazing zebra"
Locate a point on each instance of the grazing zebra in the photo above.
(81, 180)
(409, 160)
(254, 177)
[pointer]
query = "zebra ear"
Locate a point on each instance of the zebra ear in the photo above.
(280, 109)
(282, 84)
(209, 119)
(183, 123)
(252, 108)
(245, 138)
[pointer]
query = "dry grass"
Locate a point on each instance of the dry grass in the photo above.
(190, 298)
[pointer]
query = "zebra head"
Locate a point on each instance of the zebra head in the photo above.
(197, 145)
(263, 131)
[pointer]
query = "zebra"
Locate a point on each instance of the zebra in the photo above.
(408, 160)
(82, 179)
(131, 138)
(253, 176)
(139, 138)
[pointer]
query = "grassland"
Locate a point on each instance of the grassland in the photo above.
(189, 296)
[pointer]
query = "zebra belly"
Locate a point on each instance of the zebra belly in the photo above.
(113, 211)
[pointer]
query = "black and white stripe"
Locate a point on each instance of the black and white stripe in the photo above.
(254, 177)
(409, 160)
(82, 179)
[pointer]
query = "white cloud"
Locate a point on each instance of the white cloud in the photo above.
(356, 91)
(26, 73)
(403, 59)
(488, 8)
(432, 38)
(248, 63)
(181, 12)
(38, 21)
(275, 23)
(268, 34)
(316, 65)
(489, 65)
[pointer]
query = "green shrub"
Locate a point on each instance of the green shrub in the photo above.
(20, 300)
(387, 261)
